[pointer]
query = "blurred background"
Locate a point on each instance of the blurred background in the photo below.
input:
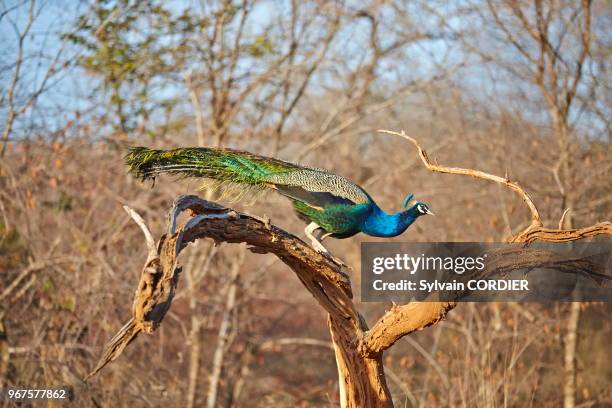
(517, 87)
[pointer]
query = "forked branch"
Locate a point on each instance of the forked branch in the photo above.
(514, 186)
(536, 230)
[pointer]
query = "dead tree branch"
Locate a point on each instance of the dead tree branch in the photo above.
(514, 186)
(358, 350)
(321, 276)
(536, 230)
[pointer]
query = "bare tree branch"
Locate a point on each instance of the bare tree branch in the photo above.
(535, 230)
(514, 186)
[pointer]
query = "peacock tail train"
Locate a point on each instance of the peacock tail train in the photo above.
(235, 175)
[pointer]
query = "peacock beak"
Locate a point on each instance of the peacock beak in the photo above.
(430, 212)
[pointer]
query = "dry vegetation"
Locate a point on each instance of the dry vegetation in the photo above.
(310, 84)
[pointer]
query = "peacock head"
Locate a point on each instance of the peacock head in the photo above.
(418, 208)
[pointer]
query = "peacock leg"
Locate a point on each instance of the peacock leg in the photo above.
(316, 244)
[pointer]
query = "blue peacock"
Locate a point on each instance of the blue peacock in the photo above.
(325, 200)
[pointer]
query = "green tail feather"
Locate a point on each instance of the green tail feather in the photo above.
(234, 173)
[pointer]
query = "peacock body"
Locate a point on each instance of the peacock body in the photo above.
(324, 199)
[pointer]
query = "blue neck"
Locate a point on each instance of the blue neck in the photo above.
(380, 224)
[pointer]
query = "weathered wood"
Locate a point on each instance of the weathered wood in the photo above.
(362, 375)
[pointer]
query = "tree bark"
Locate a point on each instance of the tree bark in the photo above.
(361, 378)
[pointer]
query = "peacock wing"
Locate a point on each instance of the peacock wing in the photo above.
(319, 188)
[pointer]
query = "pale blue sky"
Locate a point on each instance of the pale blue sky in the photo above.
(72, 90)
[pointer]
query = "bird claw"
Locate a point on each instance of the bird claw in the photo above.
(319, 247)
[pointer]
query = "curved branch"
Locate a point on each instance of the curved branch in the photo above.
(514, 186)
(533, 233)
(321, 276)
(536, 230)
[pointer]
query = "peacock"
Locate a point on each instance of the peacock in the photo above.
(324, 200)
